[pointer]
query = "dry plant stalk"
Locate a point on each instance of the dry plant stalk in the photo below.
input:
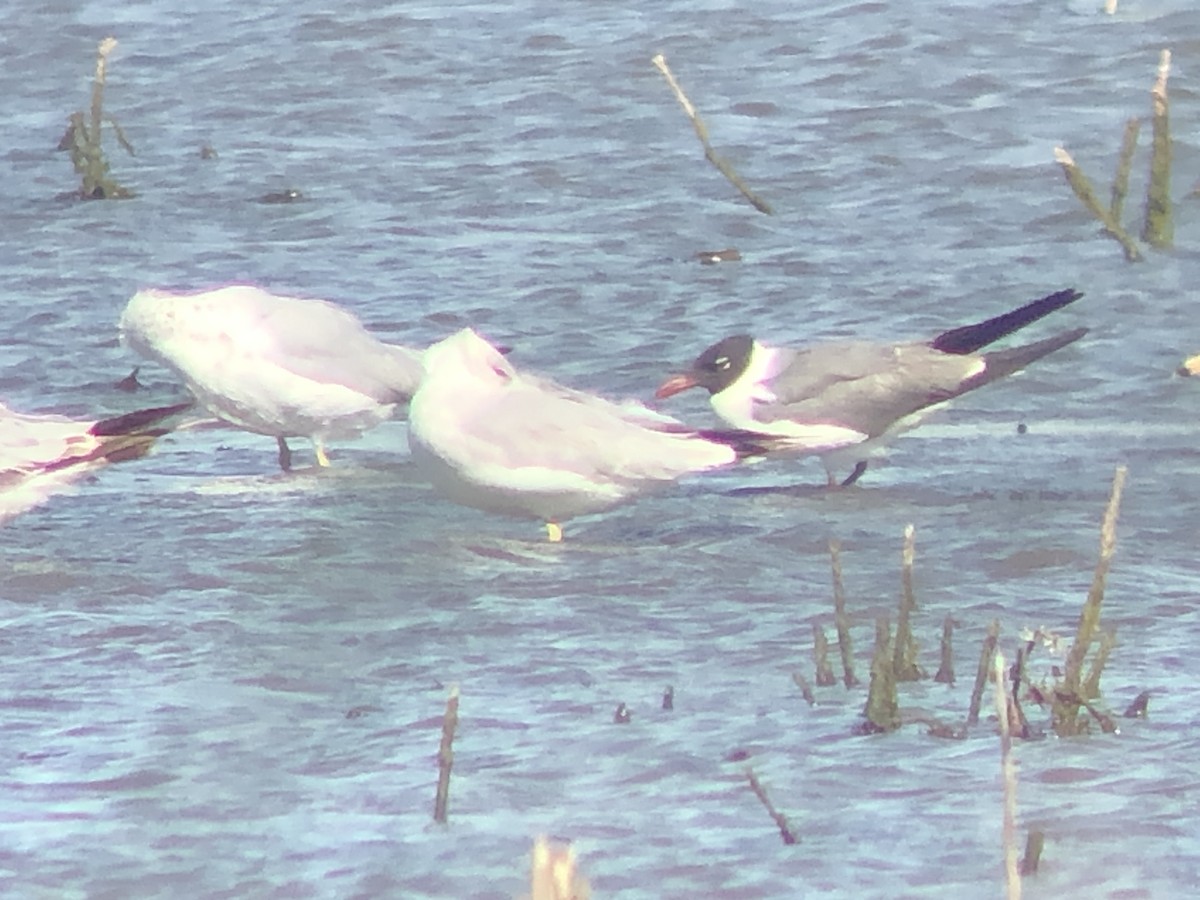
(981, 674)
(446, 756)
(883, 705)
(1012, 874)
(1070, 694)
(702, 132)
(824, 673)
(945, 672)
(1158, 228)
(904, 654)
(554, 875)
(781, 821)
(845, 645)
(1120, 187)
(1083, 190)
(83, 138)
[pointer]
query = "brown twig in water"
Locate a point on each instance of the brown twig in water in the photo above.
(981, 674)
(1139, 707)
(781, 821)
(1008, 771)
(446, 756)
(702, 132)
(845, 645)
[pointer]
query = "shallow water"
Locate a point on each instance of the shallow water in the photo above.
(186, 637)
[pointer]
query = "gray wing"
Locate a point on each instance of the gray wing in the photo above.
(327, 344)
(545, 424)
(865, 386)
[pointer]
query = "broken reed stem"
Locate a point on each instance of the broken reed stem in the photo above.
(781, 821)
(106, 47)
(981, 674)
(904, 654)
(1083, 190)
(446, 756)
(1120, 187)
(824, 673)
(806, 690)
(845, 645)
(1158, 229)
(883, 705)
(702, 132)
(945, 672)
(553, 875)
(1090, 689)
(1066, 713)
(1034, 842)
(1012, 874)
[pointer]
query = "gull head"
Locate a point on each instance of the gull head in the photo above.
(466, 356)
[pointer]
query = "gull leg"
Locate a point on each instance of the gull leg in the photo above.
(322, 459)
(285, 455)
(554, 532)
(859, 468)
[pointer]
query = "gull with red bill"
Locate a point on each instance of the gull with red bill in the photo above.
(842, 399)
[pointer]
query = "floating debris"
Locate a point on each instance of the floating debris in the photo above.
(712, 257)
(290, 195)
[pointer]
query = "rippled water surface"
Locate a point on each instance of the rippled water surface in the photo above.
(219, 681)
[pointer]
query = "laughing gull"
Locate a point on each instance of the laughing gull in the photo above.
(508, 442)
(274, 365)
(40, 453)
(840, 399)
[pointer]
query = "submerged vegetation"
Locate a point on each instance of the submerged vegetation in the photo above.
(1068, 691)
(83, 139)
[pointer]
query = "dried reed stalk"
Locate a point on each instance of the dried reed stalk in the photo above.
(446, 756)
(702, 132)
(1012, 873)
(845, 644)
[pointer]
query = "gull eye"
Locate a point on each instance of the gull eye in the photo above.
(722, 362)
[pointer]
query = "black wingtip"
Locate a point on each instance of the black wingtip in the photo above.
(135, 422)
(969, 338)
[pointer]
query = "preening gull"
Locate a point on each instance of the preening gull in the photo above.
(491, 437)
(274, 365)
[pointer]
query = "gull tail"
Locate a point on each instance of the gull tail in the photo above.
(969, 338)
(746, 444)
(1004, 362)
(123, 437)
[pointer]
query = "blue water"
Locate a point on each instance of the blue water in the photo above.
(184, 636)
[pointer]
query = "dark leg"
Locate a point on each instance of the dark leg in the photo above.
(285, 455)
(859, 468)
